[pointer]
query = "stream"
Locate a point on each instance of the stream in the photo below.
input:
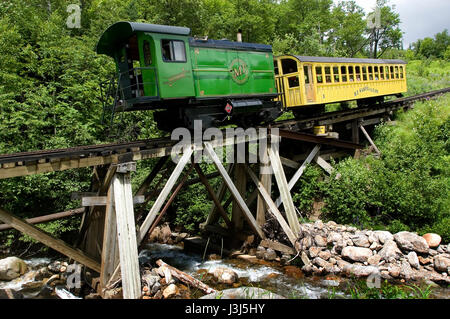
(287, 281)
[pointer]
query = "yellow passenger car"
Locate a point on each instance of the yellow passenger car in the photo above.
(316, 81)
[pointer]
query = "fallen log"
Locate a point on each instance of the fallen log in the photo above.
(187, 279)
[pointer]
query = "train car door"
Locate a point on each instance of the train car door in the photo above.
(149, 83)
(309, 83)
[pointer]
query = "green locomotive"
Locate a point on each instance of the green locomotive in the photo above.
(186, 78)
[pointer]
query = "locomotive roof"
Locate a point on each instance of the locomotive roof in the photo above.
(227, 44)
(120, 32)
(322, 59)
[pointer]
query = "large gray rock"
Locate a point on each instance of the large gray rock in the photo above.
(225, 275)
(413, 259)
(442, 262)
(334, 237)
(410, 241)
(243, 293)
(361, 271)
(11, 268)
(383, 235)
(360, 254)
(361, 240)
(390, 251)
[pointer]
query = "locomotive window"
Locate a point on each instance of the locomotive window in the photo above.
(147, 54)
(364, 69)
(336, 73)
(173, 51)
(305, 72)
(358, 73)
(350, 74)
(327, 74)
(344, 73)
(319, 74)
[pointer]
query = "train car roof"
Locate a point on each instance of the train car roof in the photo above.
(231, 45)
(120, 32)
(320, 59)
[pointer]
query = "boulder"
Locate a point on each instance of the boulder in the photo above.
(413, 259)
(360, 240)
(390, 251)
(243, 293)
(225, 275)
(360, 254)
(170, 291)
(318, 224)
(314, 251)
(260, 252)
(270, 254)
(409, 241)
(334, 237)
(383, 235)
(305, 259)
(360, 271)
(325, 255)
(320, 240)
(406, 270)
(374, 260)
(394, 271)
(442, 262)
(11, 268)
(433, 240)
(320, 262)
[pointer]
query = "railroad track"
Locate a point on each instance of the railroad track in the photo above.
(27, 163)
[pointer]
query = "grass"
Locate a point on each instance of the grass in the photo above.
(358, 289)
(427, 75)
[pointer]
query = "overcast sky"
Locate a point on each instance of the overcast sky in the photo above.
(419, 18)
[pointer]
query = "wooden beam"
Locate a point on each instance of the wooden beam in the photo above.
(240, 181)
(163, 195)
(277, 246)
(369, 139)
(265, 176)
(48, 240)
(149, 179)
(300, 171)
(272, 208)
(234, 192)
(102, 200)
(47, 218)
(210, 191)
(283, 188)
(126, 235)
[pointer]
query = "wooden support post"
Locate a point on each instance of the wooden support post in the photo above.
(272, 208)
(369, 139)
(265, 176)
(300, 171)
(355, 132)
(126, 236)
(327, 167)
(163, 195)
(283, 188)
(240, 180)
(234, 192)
(48, 240)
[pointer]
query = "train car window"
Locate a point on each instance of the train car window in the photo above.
(381, 73)
(336, 74)
(293, 81)
(391, 71)
(370, 73)
(344, 73)
(328, 74)
(364, 73)
(386, 68)
(305, 72)
(396, 72)
(358, 73)
(319, 74)
(275, 67)
(147, 54)
(350, 74)
(288, 66)
(401, 72)
(375, 69)
(173, 51)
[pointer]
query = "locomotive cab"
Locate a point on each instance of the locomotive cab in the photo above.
(147, 56)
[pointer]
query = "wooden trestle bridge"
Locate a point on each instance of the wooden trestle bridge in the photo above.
(109, 239)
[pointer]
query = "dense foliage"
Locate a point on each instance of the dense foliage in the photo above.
(50, 98)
